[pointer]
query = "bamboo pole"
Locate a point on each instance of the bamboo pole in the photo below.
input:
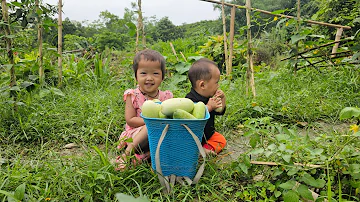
(317, 47)
(8, 40)
(40, 43)
(250, 69)
(225, 37)
(232, 33)
(337, 38)
(183, 56)
(173, 49)
(60, 45)
(297, 30)
(280, 15)
(140, 28)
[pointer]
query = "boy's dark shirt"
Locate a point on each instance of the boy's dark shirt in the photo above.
(209, 129)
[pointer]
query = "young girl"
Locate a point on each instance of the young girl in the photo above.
(149, 69)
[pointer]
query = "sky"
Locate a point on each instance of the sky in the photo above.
(178, 11)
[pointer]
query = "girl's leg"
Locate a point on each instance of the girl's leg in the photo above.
(138, 140)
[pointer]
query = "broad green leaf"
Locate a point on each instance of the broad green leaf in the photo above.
(291, 196)
(286, 157)
(317, 151)
(182, 67)
(309, 180)
(7, 66)
(15, 3)
(278, 11)
(244, 168)
(254, 140)
(277, 194)
(288, 185)
(305, 192)
(257, 151)
(126, 198)
(57, 91)
(15, 88)
(355, 56)
(20, 192)
(282, 137)
(44, 93)
(296, 38)
(349, 112)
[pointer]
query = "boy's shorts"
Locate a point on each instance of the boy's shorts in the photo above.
(217, 142)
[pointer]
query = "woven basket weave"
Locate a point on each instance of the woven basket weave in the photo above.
(179, 153)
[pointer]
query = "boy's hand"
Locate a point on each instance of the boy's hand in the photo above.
(214, 103)
(219, 93)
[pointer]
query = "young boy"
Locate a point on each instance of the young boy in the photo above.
(204, 76)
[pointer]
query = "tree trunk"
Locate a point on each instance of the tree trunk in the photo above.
(40, 41)
(60, 44)
(225, 38)
(297, 30)
(250, 70)
(9, 51)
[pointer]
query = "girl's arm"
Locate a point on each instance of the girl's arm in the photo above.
(130, 114)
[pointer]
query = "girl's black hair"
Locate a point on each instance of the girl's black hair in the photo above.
(149, 55)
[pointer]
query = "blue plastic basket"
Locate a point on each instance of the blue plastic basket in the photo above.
(179, 153)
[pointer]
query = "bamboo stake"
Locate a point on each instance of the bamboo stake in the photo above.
(337, 38)
(10, 54)
(173, 49)
(225, 37)
(60, 45)
(277, 164)
(232, 31)
(250, 69)
(40, 41)
(280, 15)
(183, 56)
(297, 30)
(317, 47)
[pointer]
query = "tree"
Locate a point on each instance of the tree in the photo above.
(165, 30)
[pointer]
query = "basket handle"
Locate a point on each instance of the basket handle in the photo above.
(164, 180)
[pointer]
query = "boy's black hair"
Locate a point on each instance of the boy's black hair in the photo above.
(150, 55)
(200, 70)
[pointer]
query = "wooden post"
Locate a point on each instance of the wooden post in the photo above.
(225, 38)
(337, 39)
(250, 70)
(232, 30)
(60, 44)
(40, 42)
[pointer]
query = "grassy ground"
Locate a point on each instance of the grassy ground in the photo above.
(299, 112)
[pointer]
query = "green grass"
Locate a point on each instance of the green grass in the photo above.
(91, 113)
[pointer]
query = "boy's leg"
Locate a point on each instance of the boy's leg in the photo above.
(217, 141)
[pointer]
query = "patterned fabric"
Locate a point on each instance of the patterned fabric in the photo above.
(138, 100)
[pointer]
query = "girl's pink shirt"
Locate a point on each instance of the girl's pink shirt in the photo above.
(138, 100)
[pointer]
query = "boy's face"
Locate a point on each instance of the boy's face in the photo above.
(212, 85)
(149, 76)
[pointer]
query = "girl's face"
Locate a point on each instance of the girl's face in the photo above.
(149, 76)
(212, 85)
